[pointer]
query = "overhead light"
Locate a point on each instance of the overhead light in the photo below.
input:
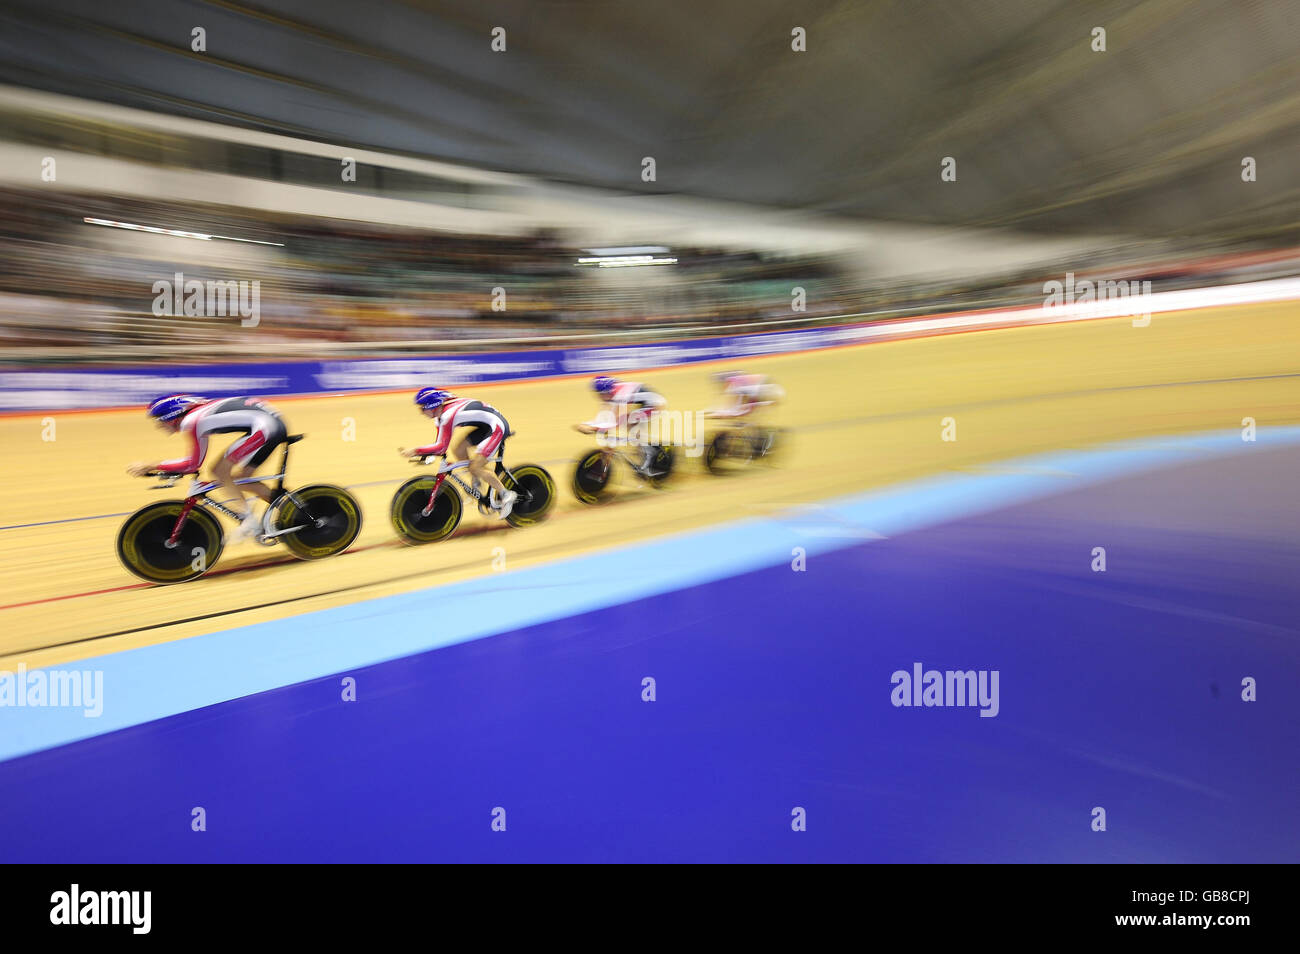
(625, 261)
(177, 233)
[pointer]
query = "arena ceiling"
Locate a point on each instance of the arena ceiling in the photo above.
(1147, 137)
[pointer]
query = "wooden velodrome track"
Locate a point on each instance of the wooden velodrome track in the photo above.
(861, 416)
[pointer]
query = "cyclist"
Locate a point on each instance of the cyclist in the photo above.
(261, 429)
(628, 406)
(486, 435)
(744, 394)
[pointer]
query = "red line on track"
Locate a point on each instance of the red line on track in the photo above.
(73, 596)
(262, 565)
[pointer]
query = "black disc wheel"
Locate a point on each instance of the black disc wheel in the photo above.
(716, 453)
(410, 521)
(327, 519)
(661, 466)
(143, 547)
(536, 490)
(592, 476)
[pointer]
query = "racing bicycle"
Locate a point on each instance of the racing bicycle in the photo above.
(179, 540)
(428, 509)
(595, 469)
(740, 446)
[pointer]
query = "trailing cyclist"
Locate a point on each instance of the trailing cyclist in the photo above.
(486, 435)
(628, 407)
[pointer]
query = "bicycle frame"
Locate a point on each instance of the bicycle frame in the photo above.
(619, 449)
(616, 446)
(448, 470)
(753, 434)
(198, 496)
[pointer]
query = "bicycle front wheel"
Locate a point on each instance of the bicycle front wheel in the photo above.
(143, 549)
(591, 477)
(408, 516)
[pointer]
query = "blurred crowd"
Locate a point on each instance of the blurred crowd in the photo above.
(72, 289)
(66, 283)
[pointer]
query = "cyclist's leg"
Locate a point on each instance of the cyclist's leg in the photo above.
(484, 451)
(251, 467)
(460, 450)
(764, 402)
(638, 438)
(655, 442)
(244, 457)
(478, 467)
(223, 474)
(253, 451)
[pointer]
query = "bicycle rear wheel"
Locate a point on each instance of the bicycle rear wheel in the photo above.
(142, 543)
(771, 442)
(328, 518)
(536, 492)
(662, 466)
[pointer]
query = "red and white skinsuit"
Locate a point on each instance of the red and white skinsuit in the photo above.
(748, 392)
(258, 421)
(630, 403)
(490, 427)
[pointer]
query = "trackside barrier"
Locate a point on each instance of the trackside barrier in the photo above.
(51, 389)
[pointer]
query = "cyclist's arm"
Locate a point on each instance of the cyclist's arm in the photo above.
(649, 401)
(739, 402)
(730, 409)
(438, 447)
(191, 463)
(611, 414)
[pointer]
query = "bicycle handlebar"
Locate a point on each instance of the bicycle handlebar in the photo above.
(427, 458)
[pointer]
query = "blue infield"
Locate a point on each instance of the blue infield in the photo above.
(774, 695)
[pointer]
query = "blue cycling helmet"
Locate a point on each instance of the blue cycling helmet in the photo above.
(603, 384)
(174, 406)
(427, 398)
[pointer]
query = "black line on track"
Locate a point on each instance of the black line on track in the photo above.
(844, 422)
(830, 425)
(436, 571)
